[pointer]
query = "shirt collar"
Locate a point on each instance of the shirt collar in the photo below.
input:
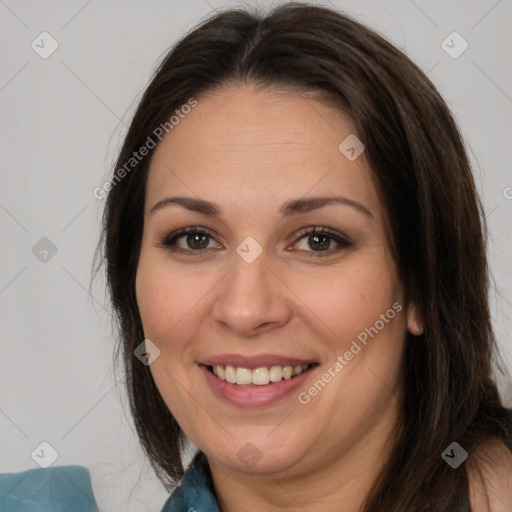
(195, 492)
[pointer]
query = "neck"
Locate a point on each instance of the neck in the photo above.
(333, 482)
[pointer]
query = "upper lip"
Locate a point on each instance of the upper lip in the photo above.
(256, 361)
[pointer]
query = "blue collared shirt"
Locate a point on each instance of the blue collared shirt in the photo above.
(195, 492)
(68, 489)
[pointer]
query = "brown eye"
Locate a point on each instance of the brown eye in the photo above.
(320, 240)
(195, 240)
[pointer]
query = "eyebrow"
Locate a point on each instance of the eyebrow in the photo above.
(292, 207)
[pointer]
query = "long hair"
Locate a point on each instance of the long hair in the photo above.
(436, 228)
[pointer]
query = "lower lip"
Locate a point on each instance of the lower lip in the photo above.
(253, 396)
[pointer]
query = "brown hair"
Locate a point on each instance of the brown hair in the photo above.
(437, 229)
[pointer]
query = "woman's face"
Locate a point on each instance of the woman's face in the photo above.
(266, 293)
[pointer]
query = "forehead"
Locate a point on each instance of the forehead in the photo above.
(242, 145)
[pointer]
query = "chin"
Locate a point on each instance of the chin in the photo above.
(256, 457)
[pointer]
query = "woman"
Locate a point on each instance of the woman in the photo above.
(295, 253)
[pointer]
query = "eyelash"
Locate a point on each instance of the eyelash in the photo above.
(169, 241)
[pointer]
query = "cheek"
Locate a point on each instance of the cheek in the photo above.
(347, 301)
(154, 301)
(157, 305)
(168, 302)
(167, 306)
(362, 332)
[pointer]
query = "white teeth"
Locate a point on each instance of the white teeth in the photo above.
(259, 376)
(230, 374)
(276, 373)
(243, 376)
(287, 372)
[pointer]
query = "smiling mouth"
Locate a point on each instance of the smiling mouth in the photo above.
(260, 376)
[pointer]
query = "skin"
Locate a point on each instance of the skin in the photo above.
(250, 151)
(496, 473)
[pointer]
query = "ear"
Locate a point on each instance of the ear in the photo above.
(415, 321)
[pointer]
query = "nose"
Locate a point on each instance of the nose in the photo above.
(251, 298)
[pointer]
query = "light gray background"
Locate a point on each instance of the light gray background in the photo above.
(63, 119)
